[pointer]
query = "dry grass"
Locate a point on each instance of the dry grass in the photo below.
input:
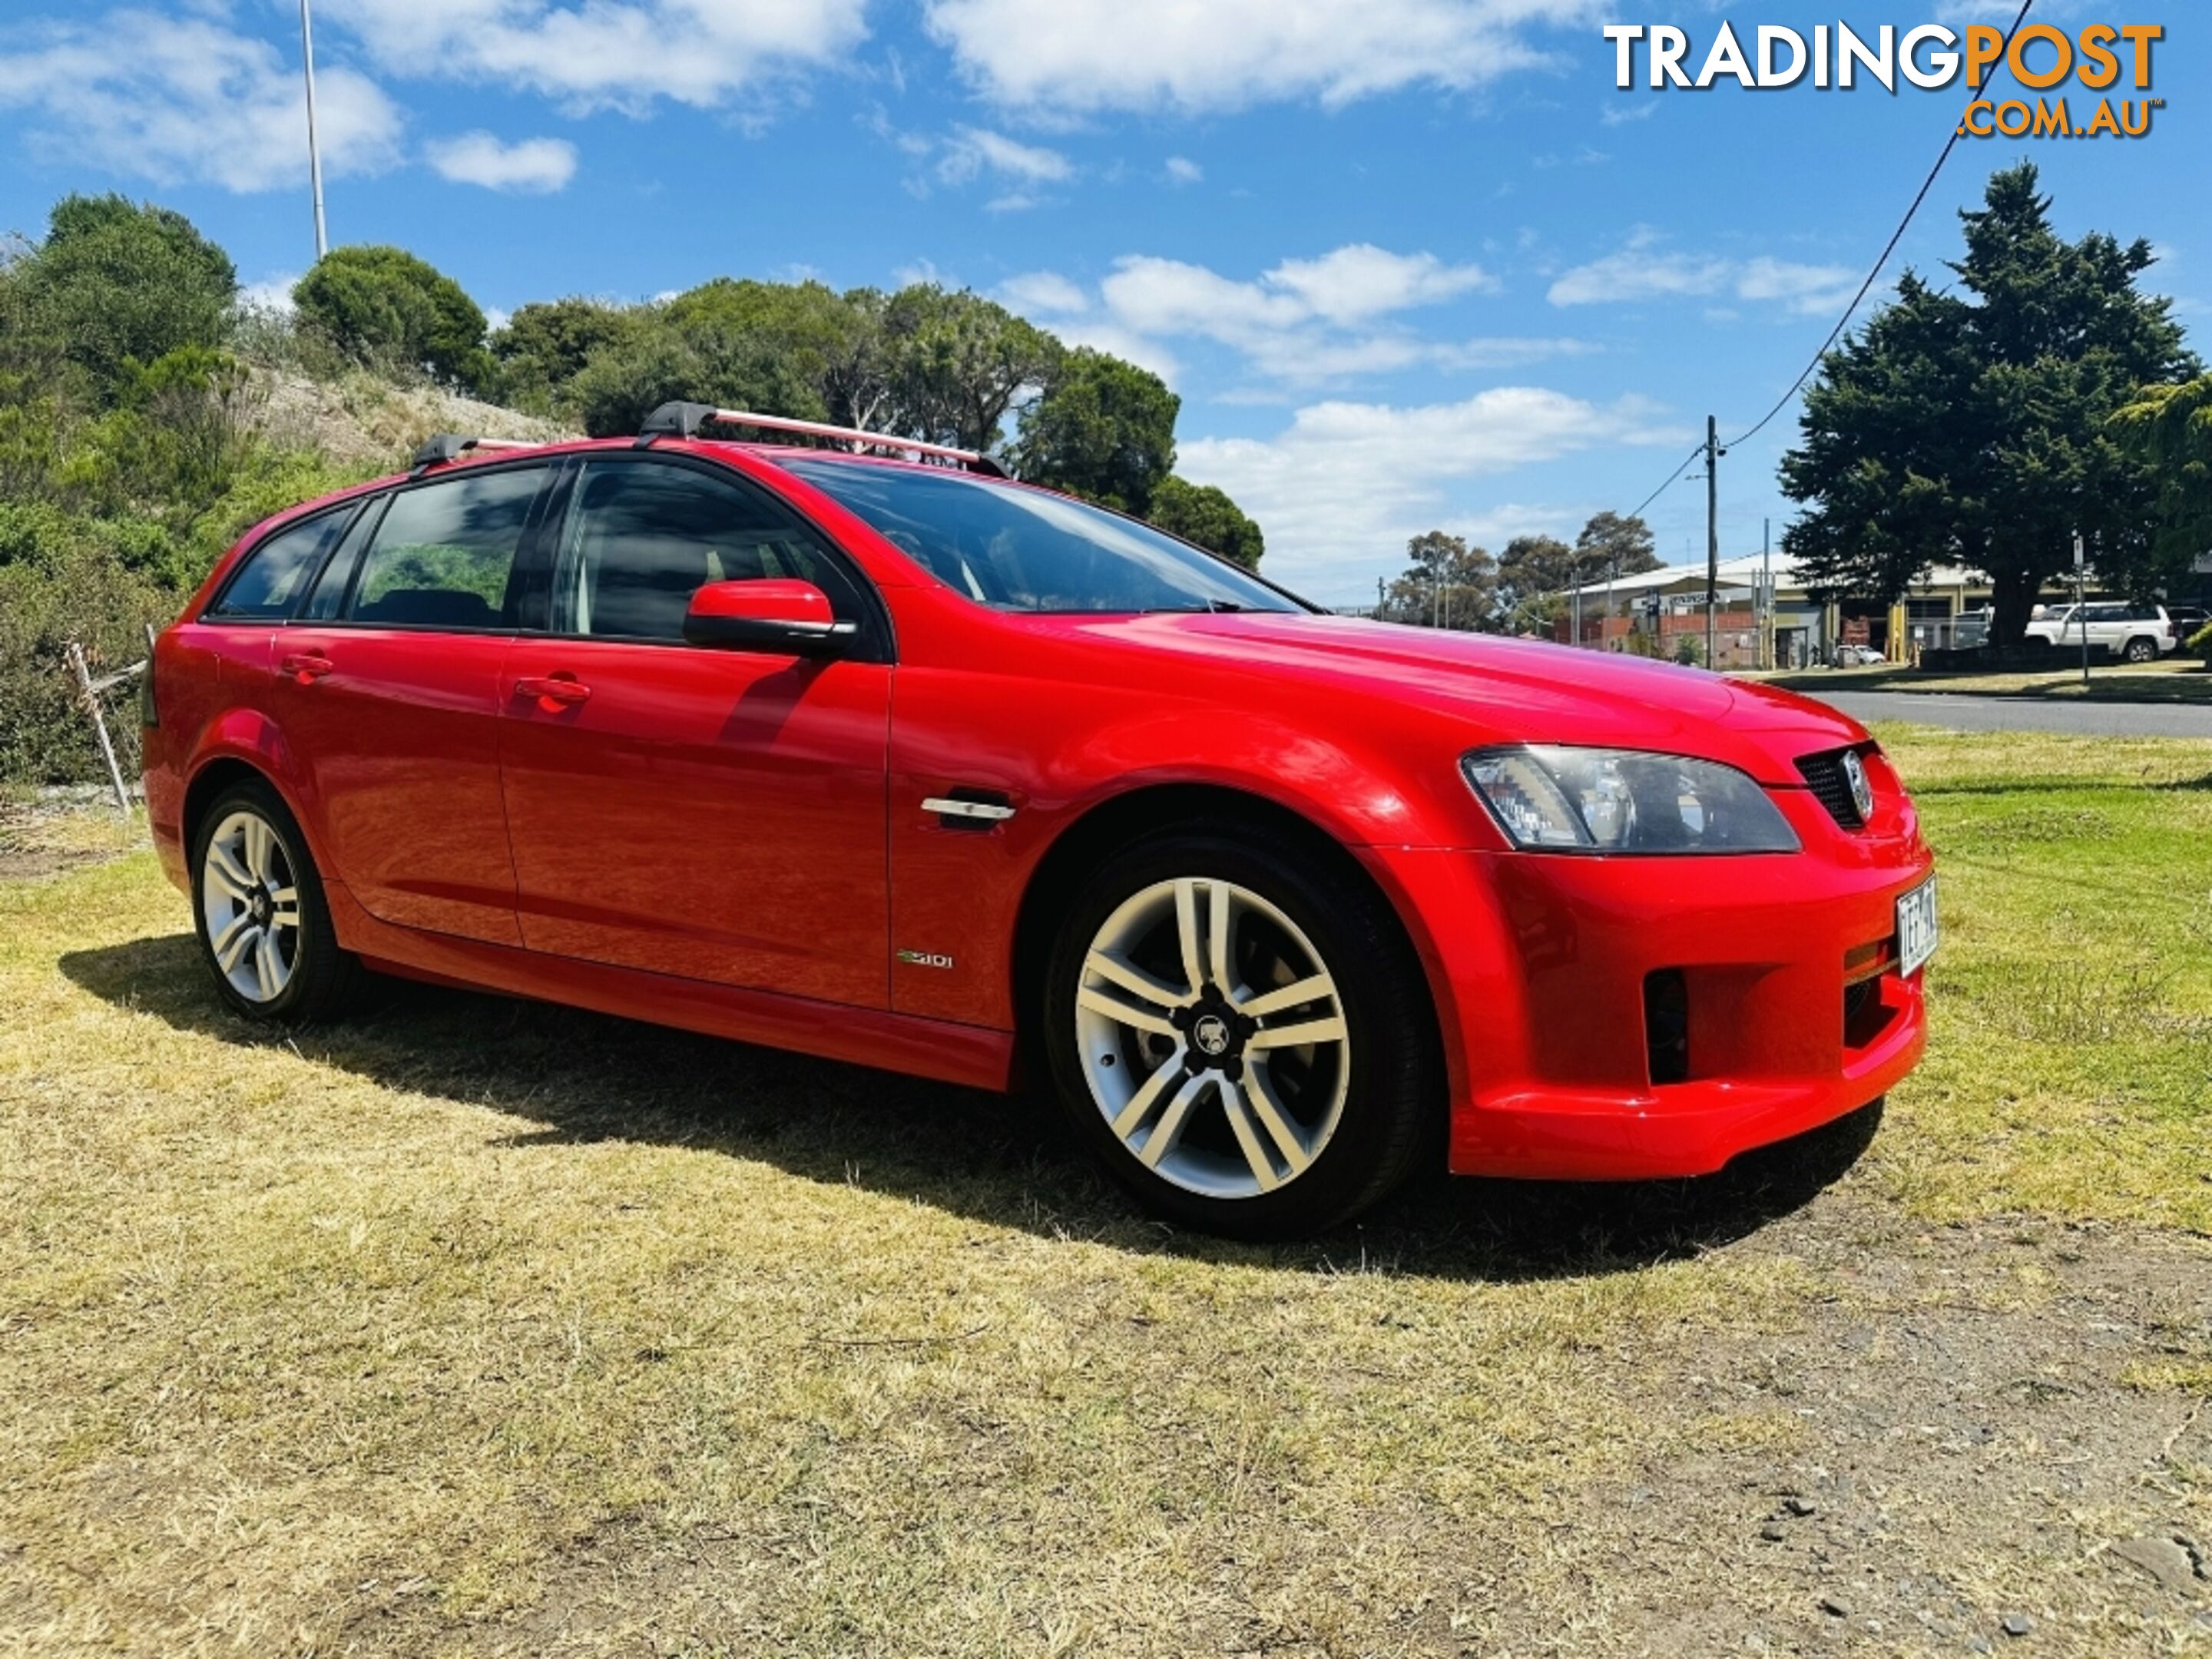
(475, 1327)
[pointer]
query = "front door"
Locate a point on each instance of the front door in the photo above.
(386, 687)
(714, 814)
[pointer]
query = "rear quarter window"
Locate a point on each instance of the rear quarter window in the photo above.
(270, 579)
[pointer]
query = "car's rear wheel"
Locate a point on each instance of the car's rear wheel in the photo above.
(2142, 650)
(263, 925)
(1241, 1034)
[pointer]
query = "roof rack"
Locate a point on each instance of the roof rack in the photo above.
(680, 420)
(443, 446)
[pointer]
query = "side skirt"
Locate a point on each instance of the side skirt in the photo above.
(967, 1054)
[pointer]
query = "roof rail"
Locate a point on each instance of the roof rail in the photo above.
(680, 420)
(443, 446)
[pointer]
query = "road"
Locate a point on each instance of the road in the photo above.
(2101, 719)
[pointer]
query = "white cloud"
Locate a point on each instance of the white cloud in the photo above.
(187, 101)
(1341, 490)
(974, 149)
(1181, 170)
(1362, 280)
(1044, 294)
(628, 54)
(1643, 269)
(535, 167)
(1145, 54)
(272, 297)
(1302, 322)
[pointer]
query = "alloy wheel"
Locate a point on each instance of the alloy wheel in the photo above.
(250, 898)
(1213, 1037)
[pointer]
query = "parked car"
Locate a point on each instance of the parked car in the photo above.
(900, 763)
(2138, 633)
(1858, 656)
(2188, 620)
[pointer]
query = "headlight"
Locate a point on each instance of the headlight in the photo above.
(1556, 799)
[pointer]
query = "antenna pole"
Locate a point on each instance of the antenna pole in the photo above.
(315, 150)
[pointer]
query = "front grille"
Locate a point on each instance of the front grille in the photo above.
(1823, 775)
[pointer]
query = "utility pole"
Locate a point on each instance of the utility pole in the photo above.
(2080, 609)
(1713, 453)
(315, 151)
(1766, 594)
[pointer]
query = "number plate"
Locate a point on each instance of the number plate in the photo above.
(1916, 928)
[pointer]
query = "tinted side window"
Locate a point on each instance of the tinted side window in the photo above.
(328, 596)
(444, 556)
(274, 575)
(641, 537)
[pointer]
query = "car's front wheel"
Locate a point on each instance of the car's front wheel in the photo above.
(264, 926)
(1241, 1033)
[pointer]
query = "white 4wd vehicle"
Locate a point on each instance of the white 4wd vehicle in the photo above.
(2140, 633)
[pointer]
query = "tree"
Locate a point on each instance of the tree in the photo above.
(1611, 547)
(1533, 572)
(1103, 429)
(2169, 428)
(117, 284)
(959, 364)
(1206, 515)
(387, 308)
(1980, 431)
(1446, 584)
(546, 343)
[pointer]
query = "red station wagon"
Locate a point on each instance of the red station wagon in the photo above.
(901, 763)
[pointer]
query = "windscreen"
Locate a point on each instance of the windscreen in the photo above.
(1025, 550)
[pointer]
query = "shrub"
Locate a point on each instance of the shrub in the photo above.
(387, 309)
(1205, 514)
(64, 580)
(115, 285)
(1104, 429)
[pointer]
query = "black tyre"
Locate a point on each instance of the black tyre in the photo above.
(2142, 650)
(257, 906)
(1241, 1033)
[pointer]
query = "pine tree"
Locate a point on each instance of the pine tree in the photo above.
(1977, 430)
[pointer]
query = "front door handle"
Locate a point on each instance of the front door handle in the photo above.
(305, 666)
(557, 690)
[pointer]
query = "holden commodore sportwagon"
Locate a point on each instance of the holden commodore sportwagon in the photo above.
(895, 761)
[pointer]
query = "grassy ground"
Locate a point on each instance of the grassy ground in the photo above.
(2176, 679)
(471, 1327)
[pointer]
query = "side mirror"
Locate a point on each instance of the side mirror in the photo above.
(775, 615)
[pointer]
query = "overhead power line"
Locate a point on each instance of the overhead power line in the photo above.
(1675, 475)
(1889, 248)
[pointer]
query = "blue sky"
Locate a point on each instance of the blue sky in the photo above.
(1410, 263)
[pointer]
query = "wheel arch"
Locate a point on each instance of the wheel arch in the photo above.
(1152, 809)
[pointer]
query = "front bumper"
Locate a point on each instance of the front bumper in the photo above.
(1539, 965)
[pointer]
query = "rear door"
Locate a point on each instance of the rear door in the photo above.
(387, 688)
(714, 814)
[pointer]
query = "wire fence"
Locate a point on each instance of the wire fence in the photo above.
(108, 699)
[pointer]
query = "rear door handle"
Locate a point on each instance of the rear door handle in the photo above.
(565, 691)
(305, 666)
